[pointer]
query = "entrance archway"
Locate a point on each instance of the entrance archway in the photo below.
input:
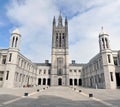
(39, 81)
(70, 82)
(59, 81)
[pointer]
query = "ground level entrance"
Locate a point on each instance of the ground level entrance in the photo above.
(59, 81)
(118, 79)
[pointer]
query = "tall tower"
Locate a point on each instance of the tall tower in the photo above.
(59, 68)
(107, 60)
(12, 58)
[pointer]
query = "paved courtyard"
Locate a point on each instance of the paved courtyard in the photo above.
(59, 97)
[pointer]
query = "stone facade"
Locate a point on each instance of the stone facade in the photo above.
(102, 71)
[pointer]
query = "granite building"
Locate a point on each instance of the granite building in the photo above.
(102, 71)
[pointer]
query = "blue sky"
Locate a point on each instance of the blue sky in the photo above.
(34, 20)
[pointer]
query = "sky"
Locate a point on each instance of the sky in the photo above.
(85, 18)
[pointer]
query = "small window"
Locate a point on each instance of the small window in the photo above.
(111, 75)
(70, 70)
(4, 60)
(74, 70)
(109, 60)
(40, 71)
(44, 71)
(7, 75)
(79, 70)
(10, 57)
(1, 79)
(49, 71)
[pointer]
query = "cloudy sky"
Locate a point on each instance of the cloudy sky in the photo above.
(85, 18)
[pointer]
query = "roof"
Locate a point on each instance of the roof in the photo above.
(16, 31)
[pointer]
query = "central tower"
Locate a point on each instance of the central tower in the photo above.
(59, 68)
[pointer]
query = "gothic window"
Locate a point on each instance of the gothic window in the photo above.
(60, 66)
(60, 40)
(103, 43)
(106, 42)
(63, 41)
(4, 60)
(59, 71)
(16, 42)
(13, 41)
(56, 39)
(7, 75)
(115, 61)
(10, 57)
(44, 71)
(111, 75)
(40, 71)
(109, 60)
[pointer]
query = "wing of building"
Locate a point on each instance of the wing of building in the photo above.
(102, 71)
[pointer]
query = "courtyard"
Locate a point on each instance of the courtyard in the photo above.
(59, 96)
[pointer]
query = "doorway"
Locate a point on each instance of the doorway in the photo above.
(59, 81)
(118, 79)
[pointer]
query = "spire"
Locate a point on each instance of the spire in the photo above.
(16, 31)
(60, 20)
(66, 22)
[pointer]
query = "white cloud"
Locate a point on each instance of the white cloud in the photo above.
(35, 20)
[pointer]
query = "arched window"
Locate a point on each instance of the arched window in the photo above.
(75, 81)
(39, 81)
(57, 40)
(60, 40)
(13, 41)
(63, 41)
(44, 81)
(103, 43)
(48, 82)
(16, 42)
(71, 82)
(106, 42)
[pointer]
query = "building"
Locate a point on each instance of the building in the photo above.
(102, 71)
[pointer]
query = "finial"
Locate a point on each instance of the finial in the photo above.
(102, 28)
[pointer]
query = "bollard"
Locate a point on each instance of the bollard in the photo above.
(80, 90)
(90, 95)
(25, 94)
(43, 88)
(38, 90)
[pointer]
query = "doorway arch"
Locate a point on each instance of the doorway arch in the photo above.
(59, 81)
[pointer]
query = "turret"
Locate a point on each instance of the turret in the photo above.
(15, 39)
(104, 40)
(107, 60)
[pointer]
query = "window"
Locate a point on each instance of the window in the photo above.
(1, 79)
(103, 43)
(106, 42)
(111, 75)
(13, 41)
(1, 72)
(7, 75)
(4, 60)
(115, 61)
(16, 42)
(10, 57)
(49, 71)
(109, 61)
(74, 70)
(70, 70)
(79, 70)
(40, 71)
(44, 71)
